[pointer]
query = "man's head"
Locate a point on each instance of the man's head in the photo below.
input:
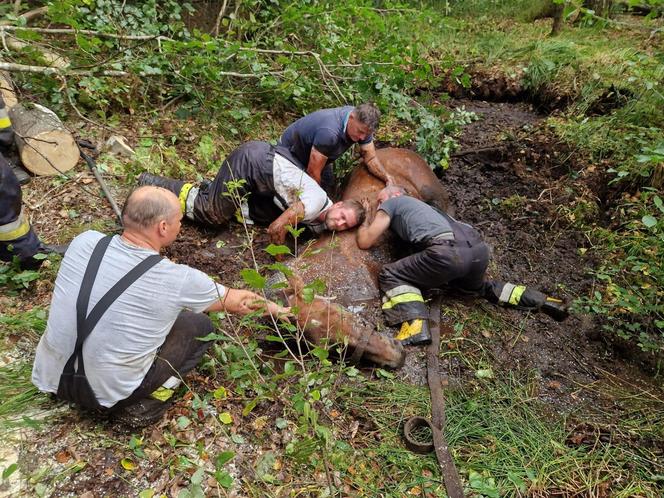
(344, 215)
(363, 122)
(154, 213)
(389, 192)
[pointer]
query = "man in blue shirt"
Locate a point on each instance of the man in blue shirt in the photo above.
(319, 138)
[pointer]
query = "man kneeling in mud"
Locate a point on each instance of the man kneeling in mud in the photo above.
(269, 186)
(448, 253)
(124, 323)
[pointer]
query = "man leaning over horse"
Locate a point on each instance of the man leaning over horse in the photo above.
(262, 184)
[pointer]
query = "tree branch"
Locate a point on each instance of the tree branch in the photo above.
(100, 34)
(24, 68)
(217, 23)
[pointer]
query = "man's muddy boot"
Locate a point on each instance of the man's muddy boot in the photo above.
(174, 186)
(22, 176)
(414, 333)
(60, 249)
(143, 413)
(525, 298)
(555, 308)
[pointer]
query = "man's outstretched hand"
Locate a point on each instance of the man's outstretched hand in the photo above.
(277, 232)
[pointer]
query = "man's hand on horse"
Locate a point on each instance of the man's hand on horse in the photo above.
(277, 232)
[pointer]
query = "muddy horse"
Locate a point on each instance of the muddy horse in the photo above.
(351, 274)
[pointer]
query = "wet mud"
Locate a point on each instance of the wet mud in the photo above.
(507, 179)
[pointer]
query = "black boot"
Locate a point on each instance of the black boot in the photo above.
(555, 308)
(53, 249)
(414, 333)
(21, 175)
(159, 181)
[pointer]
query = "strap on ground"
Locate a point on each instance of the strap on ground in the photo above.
(449, 472)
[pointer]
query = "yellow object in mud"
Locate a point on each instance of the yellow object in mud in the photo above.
(410, 329)
(162, 394)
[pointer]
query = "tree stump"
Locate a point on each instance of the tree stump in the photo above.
(45, 146)
(7, 90)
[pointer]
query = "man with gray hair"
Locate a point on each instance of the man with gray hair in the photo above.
(125, 323)
(318, 139)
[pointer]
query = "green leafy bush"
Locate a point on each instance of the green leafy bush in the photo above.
(632, 298)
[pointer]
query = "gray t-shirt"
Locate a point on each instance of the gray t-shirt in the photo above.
(413, 220)
(123, 345)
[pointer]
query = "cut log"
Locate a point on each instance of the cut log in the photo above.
(45, 146)
(7, 90)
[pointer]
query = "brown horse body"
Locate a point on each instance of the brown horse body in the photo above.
(351, 273)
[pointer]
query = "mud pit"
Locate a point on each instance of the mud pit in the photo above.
(507, 179)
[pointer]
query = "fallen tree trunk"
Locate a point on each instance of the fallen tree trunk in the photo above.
(45, 146)
(53, 59)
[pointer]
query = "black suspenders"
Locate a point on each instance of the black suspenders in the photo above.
(74, 386)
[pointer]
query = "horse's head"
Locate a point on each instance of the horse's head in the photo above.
(324, 322)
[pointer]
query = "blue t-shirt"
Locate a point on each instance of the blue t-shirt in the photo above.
(325, 130)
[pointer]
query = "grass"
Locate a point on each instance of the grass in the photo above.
(17, 393)
(504, 441)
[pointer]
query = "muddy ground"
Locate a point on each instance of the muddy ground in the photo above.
(509, 178)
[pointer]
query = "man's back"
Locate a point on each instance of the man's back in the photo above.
(324, 130)
(123, 345)
(413, 220)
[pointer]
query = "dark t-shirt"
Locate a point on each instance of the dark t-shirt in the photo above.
(413, 220)
(325, 130)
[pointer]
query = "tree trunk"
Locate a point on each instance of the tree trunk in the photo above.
(557, 25)
(602, 8)
(45, 146)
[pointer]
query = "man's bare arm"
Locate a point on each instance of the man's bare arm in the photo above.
(317, 162)
(369, 233)
(374, 165)
(242, 302)
(292, 215)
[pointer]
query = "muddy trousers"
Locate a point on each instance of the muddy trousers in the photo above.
(209, 203)
(460, 265)
(181, 352)
(243, 187)
(17, 238)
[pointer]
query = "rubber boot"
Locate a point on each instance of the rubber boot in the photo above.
(555, 308)
(414, 333)
(22, 176)
(159, 181)
(60, 249)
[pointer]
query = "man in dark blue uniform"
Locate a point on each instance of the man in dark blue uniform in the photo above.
(318, 139)
(448, 252)
(17, 238)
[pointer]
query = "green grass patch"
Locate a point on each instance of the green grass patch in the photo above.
(504, 442)
(17, 393)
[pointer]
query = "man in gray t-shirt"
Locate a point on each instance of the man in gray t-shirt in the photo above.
(445, 252)
(147, 338)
